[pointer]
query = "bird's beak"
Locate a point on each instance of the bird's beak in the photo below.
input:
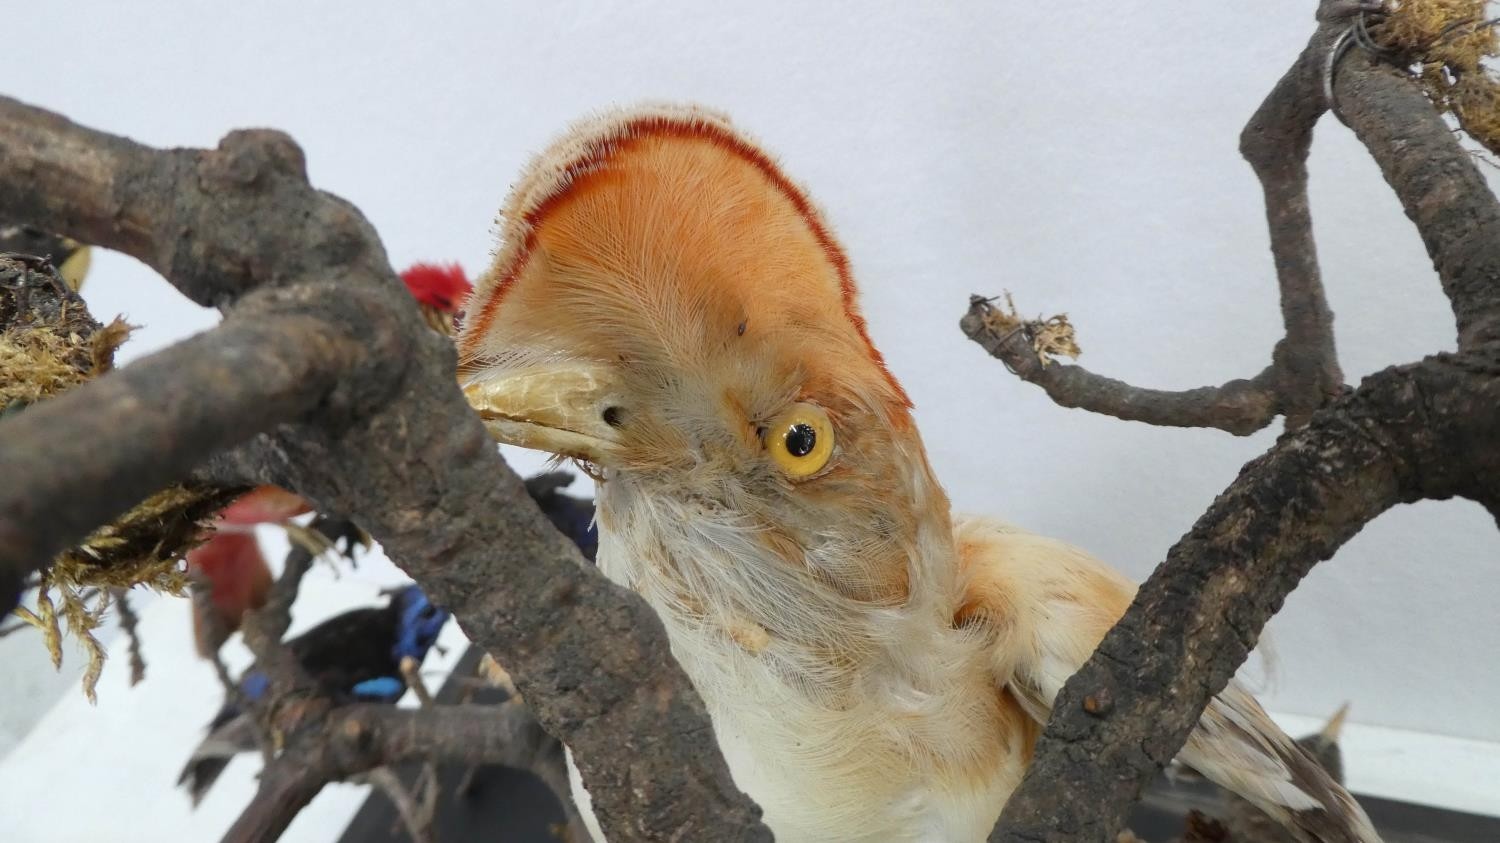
(76, 267)
(557, 408)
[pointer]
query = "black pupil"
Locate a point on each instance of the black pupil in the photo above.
(800, 439)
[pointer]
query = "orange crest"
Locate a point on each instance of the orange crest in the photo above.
(660, 235)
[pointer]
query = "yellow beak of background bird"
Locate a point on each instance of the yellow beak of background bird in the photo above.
(667, 305)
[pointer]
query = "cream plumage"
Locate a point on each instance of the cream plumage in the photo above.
(667, 306)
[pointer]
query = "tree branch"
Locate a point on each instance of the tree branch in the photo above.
(1442, 190)
(129, 624)
(265, 628)
(416, 818)
(1304, 373)
(1425, 430)
(1405, 434)
(217, 223)
(393, 445)
(1276, 142)
(1240, 407)
(125, 435)
(358, 738)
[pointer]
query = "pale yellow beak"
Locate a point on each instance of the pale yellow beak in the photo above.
(566, 409)
(76, 267)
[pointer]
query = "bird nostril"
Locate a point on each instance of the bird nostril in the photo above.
(614, 416)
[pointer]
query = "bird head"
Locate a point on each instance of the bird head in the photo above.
(70, 257)
(667, 306)
(419, 622)
(439, 290)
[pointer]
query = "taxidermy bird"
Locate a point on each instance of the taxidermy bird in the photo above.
(1248, 824)
(439, 290)
(230, 560)
(355, 656)
(70, 257)
(232, 566)
(669, 309)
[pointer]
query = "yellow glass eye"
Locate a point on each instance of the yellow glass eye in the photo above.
(800, 440)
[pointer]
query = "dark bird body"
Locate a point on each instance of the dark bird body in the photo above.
(354, 656)
(573, 517)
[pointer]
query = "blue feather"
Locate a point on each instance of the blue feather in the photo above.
(255, 684)
(419, 624)
(382, 689)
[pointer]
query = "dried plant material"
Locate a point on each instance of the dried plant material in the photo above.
(50, 344)
(1447, 42)
(142, 547)
(1049, 338)
(130, 625)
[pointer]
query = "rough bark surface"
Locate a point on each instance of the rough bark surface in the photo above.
(324, 379)
(1427, 430)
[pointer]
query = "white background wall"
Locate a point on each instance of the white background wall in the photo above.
(1079, 156)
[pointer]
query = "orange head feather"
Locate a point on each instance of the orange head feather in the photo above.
(662, 299)
(668, 224)
(669, 306)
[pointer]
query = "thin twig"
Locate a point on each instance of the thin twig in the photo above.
(129, 622)
(1304, 374)
(1240, 407)
(417, 818)
(264, 628)
(355, 739)
(411, 671)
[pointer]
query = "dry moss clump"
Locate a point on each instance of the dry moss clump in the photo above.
(1051, 337)
(49, 344)
(1447, 42)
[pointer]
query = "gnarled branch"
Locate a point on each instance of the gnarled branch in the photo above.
(1439, 185)
(1425, 430)
(375, 428)
(1304, 373)
(357, 738)
(322, 742)
(1405, 434)
(1276, 141)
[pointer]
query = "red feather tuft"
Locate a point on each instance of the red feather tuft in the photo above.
(439, 286)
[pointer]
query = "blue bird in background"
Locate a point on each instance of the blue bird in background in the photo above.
(353, 657)
(356, 656)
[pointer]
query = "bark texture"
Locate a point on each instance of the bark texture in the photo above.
(324, 379)
(1425, 430)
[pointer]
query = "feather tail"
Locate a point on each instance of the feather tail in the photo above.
(1238, 747)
